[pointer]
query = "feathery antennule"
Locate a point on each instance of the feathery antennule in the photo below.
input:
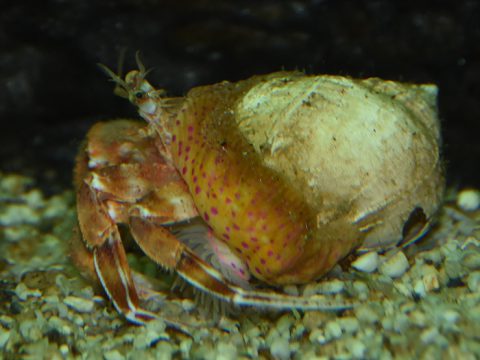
(141, 67)
(121, 88)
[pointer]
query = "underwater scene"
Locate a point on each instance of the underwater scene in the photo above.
(239, 180)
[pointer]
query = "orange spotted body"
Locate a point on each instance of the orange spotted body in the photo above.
(244, 204)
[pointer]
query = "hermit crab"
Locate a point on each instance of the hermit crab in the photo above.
(286, 174)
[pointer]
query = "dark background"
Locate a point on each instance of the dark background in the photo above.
(51, 90)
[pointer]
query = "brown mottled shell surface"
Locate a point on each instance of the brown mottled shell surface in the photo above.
(365, 151)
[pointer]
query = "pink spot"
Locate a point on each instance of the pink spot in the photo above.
(184, 170)
(214, 210)
(226, 236)
(206, 217)
(264, 227)
(270, 253)
(233, 265)
(204, 175)
(237, 196)
(174, 138)
(228, 200)
(234, 214)
(257, 270)
(263, 261)
(227, 228)
(236, 227)
(197, 189)
(187, 149)
(242, 271)
(238, 250)
(195, 179)
(254, 239)
(180, 145)
(244, 245)
(177, 122)
(186, 158)
(250, 215)
(193, 161)
(190, 128)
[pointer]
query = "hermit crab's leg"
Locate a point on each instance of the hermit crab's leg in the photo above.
(101, 235)
(168, 251)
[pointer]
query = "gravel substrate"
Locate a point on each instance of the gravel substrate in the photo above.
(423, 303)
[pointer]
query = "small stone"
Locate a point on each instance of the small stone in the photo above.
(349, 325)
(113, 355)
(79, 304)
(450, 316)
(366, 314)
(330, 287)
(367, 262)
(473, 281)
(357, 348)
(4, 336)
(333, 330)
(472, 261)
(23, 292)
(164, 351)
(317, 336)
(280, 348)
(291, 290)
(64, 350)
(429, 335)
(468, 199)
(361, 290)
(395, 265)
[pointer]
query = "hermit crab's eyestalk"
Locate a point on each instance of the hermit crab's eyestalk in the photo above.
(135, 87)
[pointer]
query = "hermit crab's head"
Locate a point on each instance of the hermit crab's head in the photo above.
(136, 88)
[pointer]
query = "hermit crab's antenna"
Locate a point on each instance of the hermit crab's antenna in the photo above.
(121, 88)
(124, 87)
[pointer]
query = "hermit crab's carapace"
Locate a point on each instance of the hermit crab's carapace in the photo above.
(284, 174)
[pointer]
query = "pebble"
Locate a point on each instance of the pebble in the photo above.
(333, 330)
(394, 266)
(348, 325)
(450, 316)
(367, 262)
(280, 348)
(23, 292)
(472, 261)
(468, 199)
(330, 287)
(429, 335)
(365, 313)
(79, 304)
(361, 290)
(473, 281)
(357, 348)
(4, 336)
(113, 355)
